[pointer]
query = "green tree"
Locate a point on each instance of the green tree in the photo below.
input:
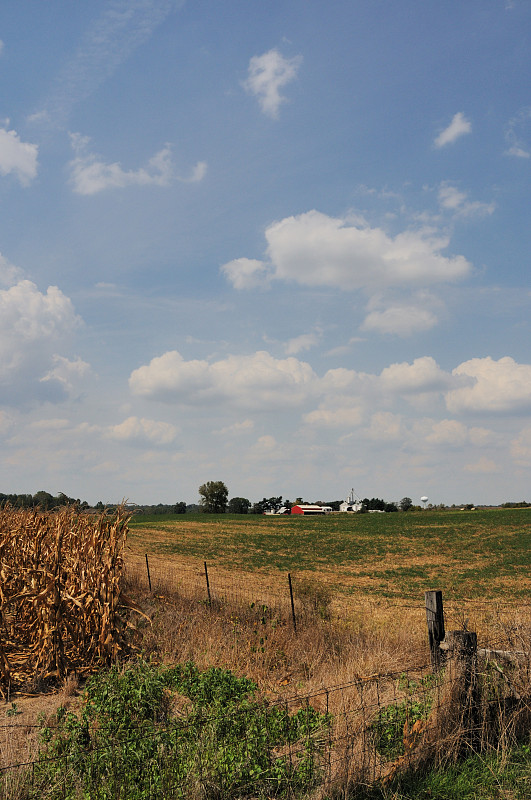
(406, 503)
(44, 500)
(213, 497)
(179, 508)
(239, 505)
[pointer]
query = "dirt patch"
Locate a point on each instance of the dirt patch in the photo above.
(21, 717)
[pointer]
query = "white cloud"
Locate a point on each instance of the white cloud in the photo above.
(502, 386)
(423, 375)
(143, 431)
(267, 74)
(90, 175)
(256, 381)
(345, 417)
(123, 26)
(448, 432)
(400, 320)
(237, 429)
(303, 342)
(385, 427)
(452, 199)
(72, 376)
(458, 127)
(521, 447)
(516, 133)
(246, 273)
(9, 274)
(482, 466)
(314, 249)
(17, 157)
(32, 325)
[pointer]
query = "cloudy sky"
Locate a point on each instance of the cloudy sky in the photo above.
(284, 245)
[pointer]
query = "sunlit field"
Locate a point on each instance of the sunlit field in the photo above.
(468, 554)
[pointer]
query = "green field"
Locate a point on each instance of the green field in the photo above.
(469, 554)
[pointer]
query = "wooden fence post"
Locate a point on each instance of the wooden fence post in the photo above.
(149, 576)
(435, 619)
(292, 604)
(208, 585)
(464, 647)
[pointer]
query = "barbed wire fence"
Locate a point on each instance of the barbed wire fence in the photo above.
(500, 624)
(366, 730)
(361, 731)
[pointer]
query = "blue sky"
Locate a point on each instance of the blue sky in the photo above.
(284, 245)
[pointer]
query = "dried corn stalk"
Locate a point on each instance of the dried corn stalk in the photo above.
(60, 592)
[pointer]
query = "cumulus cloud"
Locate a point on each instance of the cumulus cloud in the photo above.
(266, 75)
(255, 381)
(32, 325)
(459, 126)
(71, 376)
(456, 201)
(141, 431)
(423, 375)
(237, 429)
(344, 417)
(385, 426)
(448, 432)
(17, 157)
(316, 250)
(89, 175)
(246, 273)
(9, 273)
(502, 386)
(401, 320)
(303, 342)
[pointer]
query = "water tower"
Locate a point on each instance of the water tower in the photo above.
(424, 500)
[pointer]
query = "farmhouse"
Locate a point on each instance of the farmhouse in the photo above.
(308, 510)
(352, 503)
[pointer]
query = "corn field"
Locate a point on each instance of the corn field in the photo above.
(60, 592)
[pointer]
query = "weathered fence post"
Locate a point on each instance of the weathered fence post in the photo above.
(435, 619)
(149, 576)
(208, 585)
(463, 645)
(292, 604)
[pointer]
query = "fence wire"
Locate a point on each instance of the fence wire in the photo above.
(364, 730)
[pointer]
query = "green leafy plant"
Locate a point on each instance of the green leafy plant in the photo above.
(388, 728)
(225, 743)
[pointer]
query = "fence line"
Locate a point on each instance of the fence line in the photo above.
(369, 732)
(302, 600)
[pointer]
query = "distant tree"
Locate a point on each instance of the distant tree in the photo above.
(267, 504)
(213, 497)
(239, 505)
(376, 504)
(179, 508)
(43, 500)
(406, 503)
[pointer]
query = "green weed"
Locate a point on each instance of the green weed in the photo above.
(226, 743)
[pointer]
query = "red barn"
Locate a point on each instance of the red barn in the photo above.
(308, 510)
